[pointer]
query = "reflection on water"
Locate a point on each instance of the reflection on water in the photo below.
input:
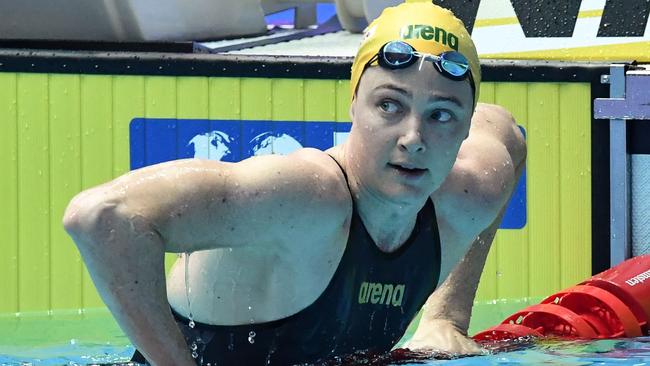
(549, 352)
(634, 351)
(94, 338)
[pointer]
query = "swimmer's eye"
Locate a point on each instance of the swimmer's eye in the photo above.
(389, 106)
(442, 115)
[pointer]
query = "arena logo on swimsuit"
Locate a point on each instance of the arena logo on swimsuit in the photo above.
(381, 293)
(427, 32)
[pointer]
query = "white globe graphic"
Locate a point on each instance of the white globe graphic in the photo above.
(274, 143)
(215, 145)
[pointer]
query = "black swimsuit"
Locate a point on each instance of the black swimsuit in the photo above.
(368, 304)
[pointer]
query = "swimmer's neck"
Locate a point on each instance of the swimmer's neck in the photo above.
(388, 222)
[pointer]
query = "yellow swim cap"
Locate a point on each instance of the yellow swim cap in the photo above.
(427, 27)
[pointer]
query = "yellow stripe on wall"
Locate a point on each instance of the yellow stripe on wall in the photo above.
(615, 52)
(491, 22)
(64, 133)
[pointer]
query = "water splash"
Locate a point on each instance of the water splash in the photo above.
(188, 290)
(194, 347)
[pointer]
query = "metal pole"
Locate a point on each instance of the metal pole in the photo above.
(620, 246)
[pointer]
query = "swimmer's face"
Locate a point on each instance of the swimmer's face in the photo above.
(408, 118)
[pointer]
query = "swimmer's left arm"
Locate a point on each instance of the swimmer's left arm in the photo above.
(470, 206)
(446, 314)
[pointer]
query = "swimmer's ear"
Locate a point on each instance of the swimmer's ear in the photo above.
(352, 107)
(471, 121)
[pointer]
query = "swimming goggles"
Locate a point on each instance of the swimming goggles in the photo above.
(399, 55)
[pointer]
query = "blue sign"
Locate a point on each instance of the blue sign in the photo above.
(156, 140)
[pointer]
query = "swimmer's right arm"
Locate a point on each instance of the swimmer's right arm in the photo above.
(124, 227)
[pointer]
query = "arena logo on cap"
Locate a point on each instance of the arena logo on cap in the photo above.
(427, 32)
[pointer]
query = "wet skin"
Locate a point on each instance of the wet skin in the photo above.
(266, 234)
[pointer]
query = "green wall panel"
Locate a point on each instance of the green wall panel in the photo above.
(342, 101)
(128, 102)
(193, 98)
(96, 149)
(160, 97)
(33, 193)
(553, 250)
(8, 194)
(225, 98)
(65, 133)
(65, 182)
(320, 100)
(288, 100)
(575, 184)
(255, 99)
(543, 180)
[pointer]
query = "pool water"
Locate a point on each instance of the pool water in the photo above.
(93, 337)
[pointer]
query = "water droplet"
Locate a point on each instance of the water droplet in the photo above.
(188, 290)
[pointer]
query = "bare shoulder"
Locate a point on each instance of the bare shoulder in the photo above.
(202, 204)
(498, 124)
(485, 171)
(322, 176)
(493, 110)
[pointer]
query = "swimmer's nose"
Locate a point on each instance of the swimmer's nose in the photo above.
(411, 140)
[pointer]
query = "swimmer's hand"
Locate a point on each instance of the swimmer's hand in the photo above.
(441, 335)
